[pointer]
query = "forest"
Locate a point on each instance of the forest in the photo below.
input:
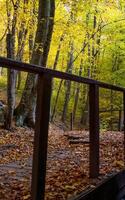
(84, 38)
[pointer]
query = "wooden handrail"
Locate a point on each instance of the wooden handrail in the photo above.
(36, 69)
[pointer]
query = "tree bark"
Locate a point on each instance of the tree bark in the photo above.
(58, 52)
(77, 93)
(85, 111)
(11, 74)
(25, 112)
(56, 101)
(68, 83)
(11, 86)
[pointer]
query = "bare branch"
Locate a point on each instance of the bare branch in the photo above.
(115, 21)
(100, 27)
(13, 3)
(3, 35)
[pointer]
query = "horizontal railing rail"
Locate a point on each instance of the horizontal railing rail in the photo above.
(44, 89)
(36, 69)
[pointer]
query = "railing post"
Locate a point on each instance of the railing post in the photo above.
(94, 130)
(124, 123)
(41, 137)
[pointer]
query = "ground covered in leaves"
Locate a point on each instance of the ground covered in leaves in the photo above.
(67, 165)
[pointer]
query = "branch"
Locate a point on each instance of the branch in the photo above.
(115, 21)
(3, 35)
(13, 3)
(85, 44)
(16, 4)
(100, 27)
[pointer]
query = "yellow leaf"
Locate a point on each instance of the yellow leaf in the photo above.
(26, 197)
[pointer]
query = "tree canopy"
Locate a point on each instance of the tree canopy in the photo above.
(86, 38)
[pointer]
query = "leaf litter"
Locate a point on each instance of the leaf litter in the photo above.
(67, 163)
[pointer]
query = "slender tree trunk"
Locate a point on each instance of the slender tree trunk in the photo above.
(68, 83)
(11, 85)
(77, 93)
(114, 68)
(54, 67)
(93, 52)
(11, 74)
(21, 44)
(57, 96)
(58, 52)
(111, 118)
(56, 101)
(85, 111)
(1, 71)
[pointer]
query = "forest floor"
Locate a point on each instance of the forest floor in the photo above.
(67, 165)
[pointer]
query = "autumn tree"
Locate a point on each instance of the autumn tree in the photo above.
(25, 112)
(11, 53)
(94, 36)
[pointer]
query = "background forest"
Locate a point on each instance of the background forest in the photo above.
(86, 38)
(81, 37)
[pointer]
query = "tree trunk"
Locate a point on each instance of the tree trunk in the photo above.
(11, 74)
(85, 111)
(11, 85)
(111, 117)
(56, 101)
(54, 68)
(25, 112)
(58, 52)
(21, 44)
(68, 83)
(77, 93)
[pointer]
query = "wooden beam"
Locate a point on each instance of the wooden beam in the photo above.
(41, 137)
(17, 65)
(94, 130)
(113, 188)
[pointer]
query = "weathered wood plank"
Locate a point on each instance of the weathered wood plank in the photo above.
(41, 137)
(9, 63)
(111, 189)
(94, 130)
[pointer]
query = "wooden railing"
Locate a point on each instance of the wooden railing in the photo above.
(45, 77)
(113, 188)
